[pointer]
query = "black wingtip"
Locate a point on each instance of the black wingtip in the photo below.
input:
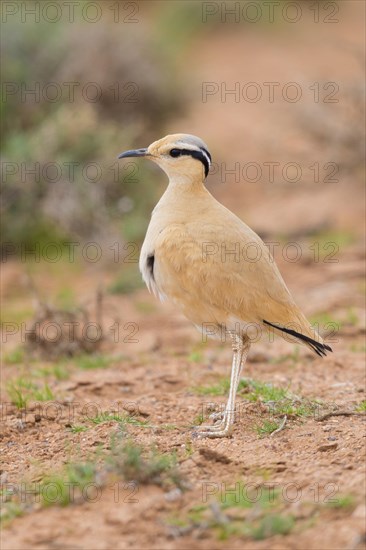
(317, 347)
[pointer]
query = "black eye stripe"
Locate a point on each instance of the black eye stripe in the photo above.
(207, 153)
(200, 155)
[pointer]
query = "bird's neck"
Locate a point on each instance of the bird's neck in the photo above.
(182, 195)
(183, 187)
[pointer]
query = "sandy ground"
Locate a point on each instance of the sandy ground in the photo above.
(316, 466)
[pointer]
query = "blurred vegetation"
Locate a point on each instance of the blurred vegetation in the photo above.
(100, 89)
(62, 124)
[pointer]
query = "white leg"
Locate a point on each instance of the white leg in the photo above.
(223, 427)
(218, 417)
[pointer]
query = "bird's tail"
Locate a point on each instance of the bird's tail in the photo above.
(317, 346)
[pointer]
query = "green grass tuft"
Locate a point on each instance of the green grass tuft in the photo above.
(14, 357)
(362, 406)
(89, 362)
(260, 391)
(195, 357)
(221, 388)
(57, 371)
(267, 427)
(134, 463)
(9, 511)
(21, 391)
(75, 429)
(264, 520)
(121, 419)
(67, 487)
(342, 502)
(198, 420)
(276, 524)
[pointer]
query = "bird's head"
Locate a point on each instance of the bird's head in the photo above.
(183, 157)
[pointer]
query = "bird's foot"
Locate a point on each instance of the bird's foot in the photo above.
(222, 427)
(217, 417)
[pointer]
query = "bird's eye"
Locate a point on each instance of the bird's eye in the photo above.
(174, 152)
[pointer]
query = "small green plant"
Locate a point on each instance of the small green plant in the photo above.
(67, 487)
(15, 356)
(121, 419)
(279, 400)
(42, 393)
(295, 407)
(321, 320)
(342, 502)
(198, 420)
(135, 463)
(276, 524)
(357, 348)
(221, 388)
(351, 317)
(75, 429)
(196, 513)
(325, 322)
(240, 497)
(21, 391)
(260, 391)
(195, 357)
(57, 371)
(265, 520)
(107, 417)
(89, 362)
(188, 447)
(361, 407)
(169, 427)
(9, 511)
(17, 394)
(266, 428)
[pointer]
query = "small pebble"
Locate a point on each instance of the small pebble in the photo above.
(174, 494)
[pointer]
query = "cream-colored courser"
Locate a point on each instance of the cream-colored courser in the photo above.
(214, 267)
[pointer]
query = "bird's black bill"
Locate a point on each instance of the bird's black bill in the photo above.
(133, 153)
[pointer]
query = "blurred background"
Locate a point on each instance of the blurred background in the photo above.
(276, 90)
(277, 93)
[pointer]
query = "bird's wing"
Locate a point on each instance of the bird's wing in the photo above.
(222, 267)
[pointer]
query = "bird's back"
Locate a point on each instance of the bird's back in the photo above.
(213, 266)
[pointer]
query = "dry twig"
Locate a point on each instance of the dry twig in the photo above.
(281, 427)
(339, 413)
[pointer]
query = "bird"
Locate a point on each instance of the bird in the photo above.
(196, 254)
